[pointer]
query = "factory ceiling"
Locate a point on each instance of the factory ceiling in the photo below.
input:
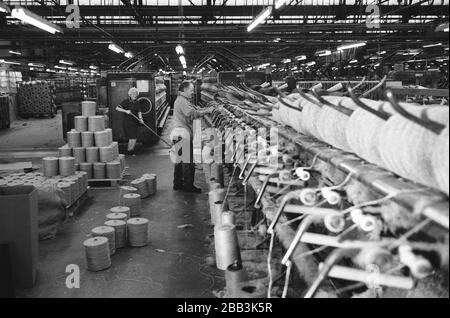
(219, 27)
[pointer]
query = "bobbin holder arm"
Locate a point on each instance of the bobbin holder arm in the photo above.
(332, 259)
(430, 125)
(288, 197)
(380, 114)
(241, 175)
(250, 172)
(263, 189)
(310, 219)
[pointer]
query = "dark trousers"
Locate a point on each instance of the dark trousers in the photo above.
(184, 172)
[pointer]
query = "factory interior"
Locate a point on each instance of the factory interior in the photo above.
(224, 149)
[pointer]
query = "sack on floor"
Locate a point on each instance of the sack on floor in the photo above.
(51, 211)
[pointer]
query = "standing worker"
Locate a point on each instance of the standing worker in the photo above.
(129, 107)
(184, 114)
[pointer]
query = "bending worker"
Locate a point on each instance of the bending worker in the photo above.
(129, 107)
(184, 114)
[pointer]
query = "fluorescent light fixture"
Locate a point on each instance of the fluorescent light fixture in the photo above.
(184, 73)
(72, 69)
(300, 57)
(353, 61)
(31, 18)
(114, 47)
(36, 65)
(311, 63)
(260, 19)
(182, 60)
(265, 65)
(179, 49)
(249, 68)
(350, 46)
(66, 62)
(280, 3)
(60, 67)
(15, 53)
(381, 53)
(294, 68)
(432, 45)
(129, 55)
(324, 53)
(273, 65)
(84, 71)
(285, 61)
(92, 67)
(376, 65)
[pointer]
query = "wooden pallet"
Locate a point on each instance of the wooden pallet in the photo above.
(69, 211)
(101, 184)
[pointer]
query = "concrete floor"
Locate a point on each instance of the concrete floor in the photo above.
(177, 271)
(33, 133)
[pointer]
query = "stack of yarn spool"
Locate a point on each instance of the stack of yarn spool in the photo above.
(145, 185)
(71, 187)
(117, 230)
(92, 146)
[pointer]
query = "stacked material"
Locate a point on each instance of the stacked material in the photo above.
(36, 98)
(133, 201)
(120, 232)
(70, 188)
(137, 229)
(108, 232)
(141, 186)
(410, 143)
(125, 190)
(151, 180)
(97, 253)
(90, 144)
(121, 209)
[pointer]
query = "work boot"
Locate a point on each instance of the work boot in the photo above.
(192, 190)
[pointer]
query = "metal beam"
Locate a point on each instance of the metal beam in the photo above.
(136, 13)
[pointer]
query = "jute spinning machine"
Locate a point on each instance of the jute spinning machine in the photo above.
(348, 186)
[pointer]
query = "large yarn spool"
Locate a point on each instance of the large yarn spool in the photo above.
(88, 108)
(97, 253)
(120, 232)
(115, 146)
(216, 216)
(99, 170)
(228, 217)
(150, 179)
(106, 154)
(87, 139)
(441, 162)
(122, 161)
(234, 276)
(214, 196)
(75, 186)
(124, 190)
(73, 138)
(110, 135)
(113, 170)
(92, 154)
(226, 246)
(66, 166)
(84, 179)
(116, 216)
(137, 229)
(133, 201)
(121, 210)
(81, 123)
(108, 232)
(96, 123)
(141, 186)
(102, 138)
(87, 167)
(51, 166)
(65, 151)
(66, 188)
(79, 153)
